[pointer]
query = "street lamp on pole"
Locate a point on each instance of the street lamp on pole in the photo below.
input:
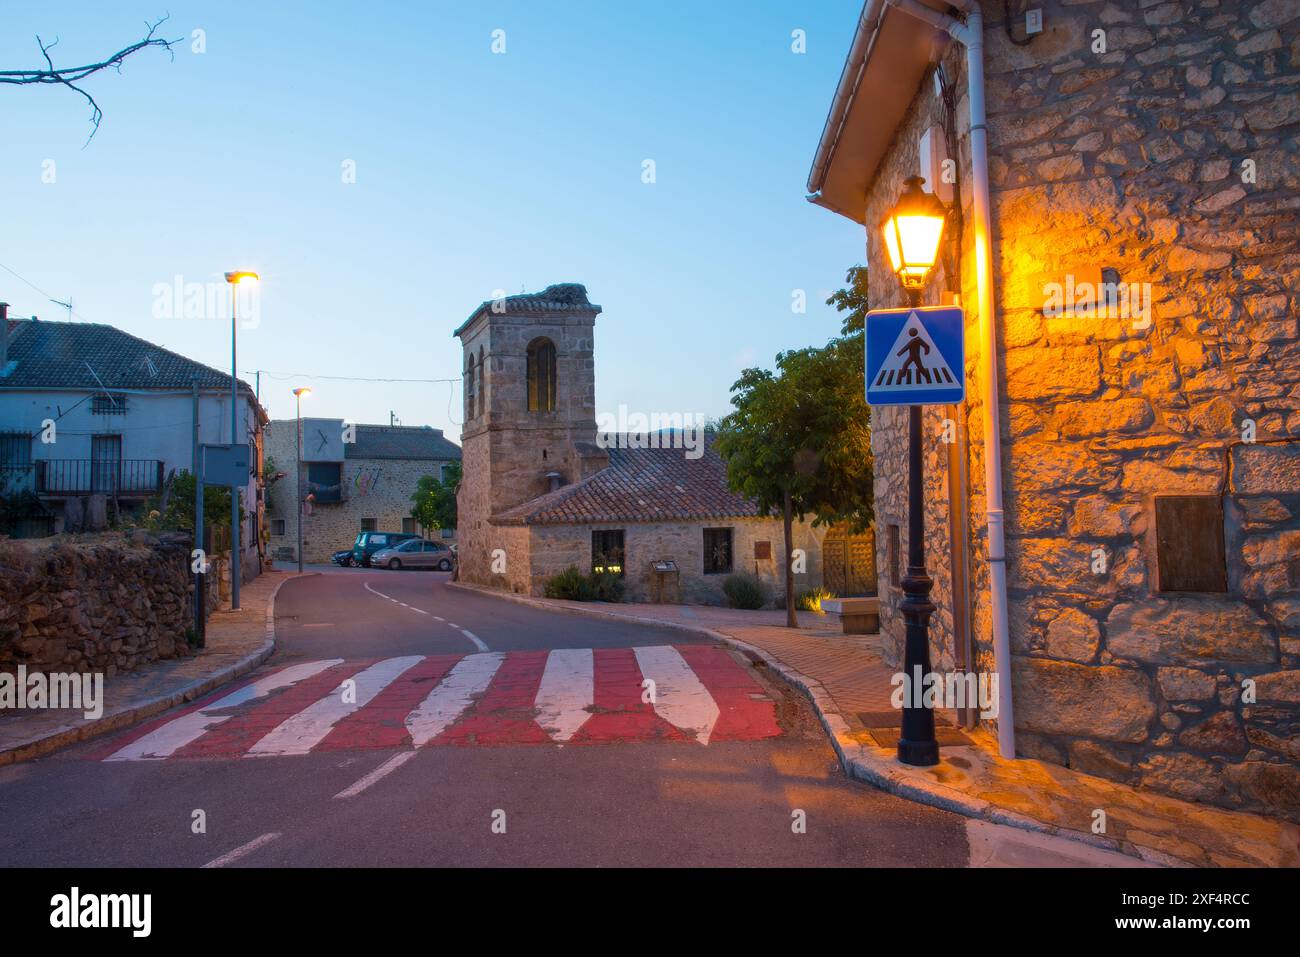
(234, 279)
(298, 393)
(912, 230)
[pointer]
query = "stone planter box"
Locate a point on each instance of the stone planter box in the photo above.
(858, 616)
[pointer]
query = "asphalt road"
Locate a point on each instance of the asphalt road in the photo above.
(631, 800)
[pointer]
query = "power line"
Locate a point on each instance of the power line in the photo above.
(344, 378)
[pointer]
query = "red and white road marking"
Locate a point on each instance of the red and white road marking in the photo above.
(566, 696)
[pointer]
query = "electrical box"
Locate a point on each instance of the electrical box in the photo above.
(933, 152)
(1033, 21)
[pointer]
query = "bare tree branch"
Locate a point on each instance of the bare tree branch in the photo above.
(71, 76)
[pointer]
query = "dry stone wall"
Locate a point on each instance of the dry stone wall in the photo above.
(105, 604)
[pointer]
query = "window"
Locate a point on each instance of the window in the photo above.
(607, 551)
(891, 554)
(15, 450)
(325, 481)
(108, 404)
(541, 376)
(1189, 544)
(482, 381)
(469, 387)
(717, 551)
(367, 524)
(277, 525)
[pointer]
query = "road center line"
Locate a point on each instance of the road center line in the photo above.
(478, 642)
(379, 773)
(242, 851)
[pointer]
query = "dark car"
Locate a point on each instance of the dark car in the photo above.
(368, 543)
(343, 557)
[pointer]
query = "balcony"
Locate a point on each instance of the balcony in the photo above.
(123, 478)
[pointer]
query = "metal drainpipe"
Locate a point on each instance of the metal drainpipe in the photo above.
(971, 35)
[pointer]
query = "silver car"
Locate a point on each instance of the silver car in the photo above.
(414, 553)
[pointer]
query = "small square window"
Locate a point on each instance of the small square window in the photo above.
(892, 548)
(368, 524)
(277, 526)
(717, 551)
(607, 551)
(1190, 553)
(108, 404)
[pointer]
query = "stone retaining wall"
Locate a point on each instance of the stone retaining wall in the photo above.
(103, 603)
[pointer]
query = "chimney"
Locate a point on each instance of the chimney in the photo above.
(4, 336)
(555, 480)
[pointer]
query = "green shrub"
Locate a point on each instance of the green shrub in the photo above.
(811, 600)
(607, 586)
(744, 591)
(570, 584)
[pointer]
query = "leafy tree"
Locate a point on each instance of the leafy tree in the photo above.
(435, 500)
(174, 508)
(799, 439)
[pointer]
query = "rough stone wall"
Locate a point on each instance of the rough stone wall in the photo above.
(373, 488)
(556, 547)
(105, 604)
(1131, 160)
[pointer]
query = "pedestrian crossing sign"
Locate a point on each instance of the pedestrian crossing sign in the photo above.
(916, 356)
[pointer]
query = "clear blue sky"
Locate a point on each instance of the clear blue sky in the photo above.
(475, 172)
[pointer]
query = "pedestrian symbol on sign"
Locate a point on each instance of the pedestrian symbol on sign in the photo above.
(915, 356)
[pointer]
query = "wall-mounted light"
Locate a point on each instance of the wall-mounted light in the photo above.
(912, 230)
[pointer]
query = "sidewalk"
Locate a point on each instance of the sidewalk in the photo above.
(237, 642)
(844, 676)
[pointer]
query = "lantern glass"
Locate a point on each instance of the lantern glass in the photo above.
(912, 230)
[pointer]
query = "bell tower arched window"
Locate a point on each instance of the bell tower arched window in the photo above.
(469, 387)
(482, 382)
(541, 375)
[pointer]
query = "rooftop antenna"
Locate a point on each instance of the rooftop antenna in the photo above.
(66, 305)
(393, 419)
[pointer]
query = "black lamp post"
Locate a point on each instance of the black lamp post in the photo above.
(912, 230)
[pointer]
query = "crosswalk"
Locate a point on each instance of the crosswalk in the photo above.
(674, 693)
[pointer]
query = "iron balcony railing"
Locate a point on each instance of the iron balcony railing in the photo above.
(98, 476)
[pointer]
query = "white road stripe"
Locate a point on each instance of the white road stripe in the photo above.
(302, 732)
(567, 690)
(680, 698)
(438, 618)
(385, 769)
(456, 692)
(452, 624)
(165, 741)
(478, 642)
(242, 851)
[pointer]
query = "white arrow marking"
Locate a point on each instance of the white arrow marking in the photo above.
(445, 703)
(306, 729)
(165, 741)
(568, 688)
(680, 698)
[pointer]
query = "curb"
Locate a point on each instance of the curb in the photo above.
(857, 762)
(128, 716)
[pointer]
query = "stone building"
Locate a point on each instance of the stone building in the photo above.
(354, 478)
(1150, 434)
(542, 491)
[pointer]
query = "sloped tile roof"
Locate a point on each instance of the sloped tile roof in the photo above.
(569, 298)
(640, 485)
(91, 356)
(401, 442)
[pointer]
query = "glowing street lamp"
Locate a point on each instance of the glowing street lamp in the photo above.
(298, 393)
(235, 279)
(912, 230)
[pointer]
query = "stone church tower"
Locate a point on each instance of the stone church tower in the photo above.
(530, 411)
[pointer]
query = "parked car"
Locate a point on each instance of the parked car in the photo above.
(343, 558)
(368, 543)
(415, 554)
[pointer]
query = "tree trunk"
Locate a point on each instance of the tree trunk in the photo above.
(787, 519)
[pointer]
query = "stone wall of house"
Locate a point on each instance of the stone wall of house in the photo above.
(1169, 160)
(378, 489)
(104, 603)
(556, 547)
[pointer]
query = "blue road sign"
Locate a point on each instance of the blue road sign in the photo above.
(916, 356)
